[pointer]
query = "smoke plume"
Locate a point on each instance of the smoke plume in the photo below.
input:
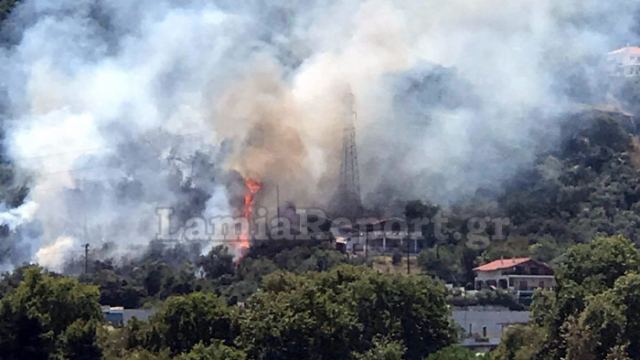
(114, 108)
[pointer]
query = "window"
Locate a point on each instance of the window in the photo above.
(502, 283)
(484, 331)
(523, 285)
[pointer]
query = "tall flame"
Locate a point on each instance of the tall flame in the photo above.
(252, 188)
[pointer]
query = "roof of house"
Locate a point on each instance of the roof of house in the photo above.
(626, 50)
(502, 264)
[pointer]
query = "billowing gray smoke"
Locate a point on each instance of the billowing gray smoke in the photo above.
(113, 108)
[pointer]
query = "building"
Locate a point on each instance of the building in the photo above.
(517, 274)
(624, 62)
(119, 316)
(384, 236)
(482, 327)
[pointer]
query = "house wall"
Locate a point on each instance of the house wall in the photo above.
(488, 275)
(624, 64)
(516, 282)
(484, 327)
(513, 279)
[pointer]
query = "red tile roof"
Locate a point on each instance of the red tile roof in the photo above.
(629, 50)
(502, 264)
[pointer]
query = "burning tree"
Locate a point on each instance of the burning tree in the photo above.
(252, 188)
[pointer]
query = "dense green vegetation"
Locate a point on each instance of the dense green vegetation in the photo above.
(291, 300)
(593, 313)
(349, 312)
(49, 317)
(164, 271)
(454, 352)
(587, 186)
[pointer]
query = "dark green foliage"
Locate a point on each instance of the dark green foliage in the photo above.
(141, 281)
(443, 262)
(79, 341)
(46, 315)
(519, 342)
(184, 321)
(11, 280)
(216, 351)
(329, 315)
(265, 259)
(453, 352)
(486, 297)
(592, 314)
(347, 312)
(165, 271)
(588, 185)
(599, 264)
(217, 262)
(383, 350)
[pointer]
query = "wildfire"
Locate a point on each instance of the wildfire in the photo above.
(252, 188)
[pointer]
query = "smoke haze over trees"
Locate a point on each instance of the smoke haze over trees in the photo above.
(112, 109)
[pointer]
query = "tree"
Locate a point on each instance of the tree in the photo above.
(216, 351)
(383, 350)
(184, 321)
(332, 314)
(598, 329)
(116, 290)
(46, 315)
(520, 342)
(593, 312)
(453, 352)
(442, 262)
(597, 265)
(79, 341)
(217, 262)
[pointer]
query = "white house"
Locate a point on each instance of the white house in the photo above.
(518, 274)
(624, 62)
(483, 327)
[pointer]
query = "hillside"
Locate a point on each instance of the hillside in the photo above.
(587, 186)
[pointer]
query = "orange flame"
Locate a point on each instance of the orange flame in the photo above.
(253, 186)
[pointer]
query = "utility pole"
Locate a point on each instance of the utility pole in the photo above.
(278, 201)
(85, 229)
(86, 258)
(408, 257)
(366, 244)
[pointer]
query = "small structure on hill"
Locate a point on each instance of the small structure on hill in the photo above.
(518, 274)
(483, 327)
(383, 236)
(119, 316)
(624, 62)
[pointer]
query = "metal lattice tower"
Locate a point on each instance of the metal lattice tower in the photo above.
(349, 187)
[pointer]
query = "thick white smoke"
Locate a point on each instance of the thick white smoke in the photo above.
(115, 108)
